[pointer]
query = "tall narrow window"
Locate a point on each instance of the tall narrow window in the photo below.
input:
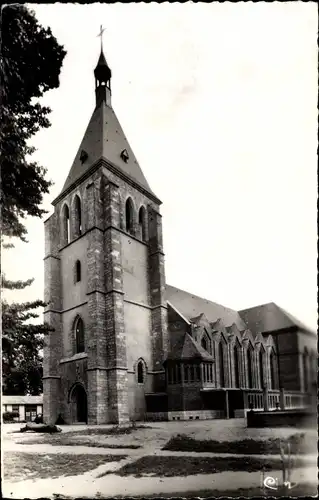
(261, 369)
(313, 367)
(79, 335)
(78, 216)
(66, 224)
(250, 367)
(236, 365)
(129, 220)
(172, 374)
(204, 344)
(77, 271)
(142, 223)
(221, 364)
(191, 373)
(140, 372)
(186, 373)
(305, 370)
(198, 373)
(178, 373)
(272, 362)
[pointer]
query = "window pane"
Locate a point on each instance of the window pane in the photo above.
(79, 333)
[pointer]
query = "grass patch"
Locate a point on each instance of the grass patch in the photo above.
(117, 430)
(163, 466)
(23, 466)
(66, 441)
(299, 445)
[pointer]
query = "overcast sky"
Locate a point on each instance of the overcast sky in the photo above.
(219, 103)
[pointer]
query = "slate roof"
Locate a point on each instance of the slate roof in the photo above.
(22, 400)
(191, 306)
(104, 138)
(185, 347)
(269, 318)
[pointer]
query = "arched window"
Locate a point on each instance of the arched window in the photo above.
(140, 371)
(129, 220)
(250, 367)
(66, 224)
(221, 364)
(305, 370)
(79, 335)
(142, 223)
(236, 365)
(272, 362)
(77, 271)
(77, 216)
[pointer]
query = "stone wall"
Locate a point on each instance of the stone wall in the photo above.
(287, 418)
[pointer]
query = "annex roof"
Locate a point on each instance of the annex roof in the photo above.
(22, 400)
(269, 318)
(191, 306)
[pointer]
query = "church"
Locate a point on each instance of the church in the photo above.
(124, 345)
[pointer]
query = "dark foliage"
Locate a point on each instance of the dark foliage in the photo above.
(9, 416)
(31, 60)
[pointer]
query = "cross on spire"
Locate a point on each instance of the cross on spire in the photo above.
(101, 35)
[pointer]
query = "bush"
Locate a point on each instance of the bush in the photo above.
(9, 416)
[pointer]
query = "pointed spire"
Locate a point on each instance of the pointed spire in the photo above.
(103, 75)
(102, 72)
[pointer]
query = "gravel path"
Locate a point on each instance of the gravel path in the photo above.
(111, 485)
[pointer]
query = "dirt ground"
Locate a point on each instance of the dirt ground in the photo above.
(101, 479)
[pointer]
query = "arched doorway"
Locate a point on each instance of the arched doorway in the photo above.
(79, 408)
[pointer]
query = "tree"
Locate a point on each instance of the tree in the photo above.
(22, 342)
(31, 60)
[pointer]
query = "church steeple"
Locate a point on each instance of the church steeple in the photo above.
(104, 139)
(103, 75)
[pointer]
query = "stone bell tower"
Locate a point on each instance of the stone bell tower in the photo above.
(104, 280)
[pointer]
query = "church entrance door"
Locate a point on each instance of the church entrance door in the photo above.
(79, 404)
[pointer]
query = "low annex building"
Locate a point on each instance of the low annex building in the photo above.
(28, 407)
(127, 346)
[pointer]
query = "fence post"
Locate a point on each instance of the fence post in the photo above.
(227, 404)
